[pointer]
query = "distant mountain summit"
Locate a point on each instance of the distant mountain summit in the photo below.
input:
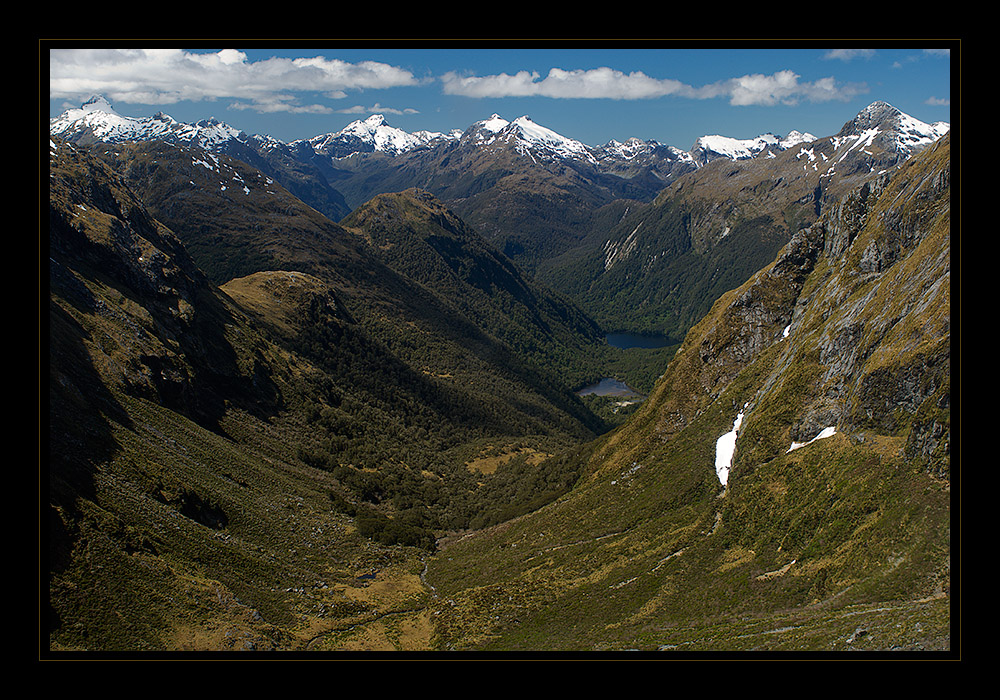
(892, 129)
(526, 137)
(371, 135)
(709, 148)
(97, 121)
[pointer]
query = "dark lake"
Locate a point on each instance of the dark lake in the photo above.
(624, 341)
(610, 387)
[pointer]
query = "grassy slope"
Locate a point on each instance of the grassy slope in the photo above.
(844, 544)
(177, 519)
(222, 467)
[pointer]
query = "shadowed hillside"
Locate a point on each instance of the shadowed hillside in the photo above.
(263, 465)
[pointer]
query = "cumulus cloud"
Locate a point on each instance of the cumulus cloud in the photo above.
(376, 108)
(167, 76)
(783, 87)
(603, 83)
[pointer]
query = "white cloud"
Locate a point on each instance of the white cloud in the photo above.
(782, 87)
(849, 54)
(280, 103)
(603, 83)
(376, 109)
(167, 76)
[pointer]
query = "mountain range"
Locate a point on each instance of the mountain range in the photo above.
(319, 395)
(97, 121)
(621, 205)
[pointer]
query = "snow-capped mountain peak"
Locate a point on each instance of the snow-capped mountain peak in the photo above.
(366, 127)
(892, 127)
(98, 103)
(372, 134)
(96, 119)
(628, 149)
(708, 148)
(543, 141)
(714, 146)
(495, 123)
(794, 138)
(483, 133)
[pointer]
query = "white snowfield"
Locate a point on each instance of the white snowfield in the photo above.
(382, 137)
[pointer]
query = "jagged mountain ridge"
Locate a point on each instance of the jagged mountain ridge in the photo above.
(821, 389)
(657, 266)
(97, 120)
(709, 148)
(368, 136)
(504, 178)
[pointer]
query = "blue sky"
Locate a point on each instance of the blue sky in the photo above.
(594, 92)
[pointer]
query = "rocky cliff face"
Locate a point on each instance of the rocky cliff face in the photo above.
(885, 343)
(863, 293)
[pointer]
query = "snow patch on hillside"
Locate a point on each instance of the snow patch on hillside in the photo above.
(825, 433)
(725, 447)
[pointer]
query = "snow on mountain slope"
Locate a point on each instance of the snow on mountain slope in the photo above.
(709, 148)
(97, 120)
(373, 134)
(636, 148)
(486, 131)
(527, 138)
(892, 128)
(915, 133)
(535, 137)
(737, 149)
